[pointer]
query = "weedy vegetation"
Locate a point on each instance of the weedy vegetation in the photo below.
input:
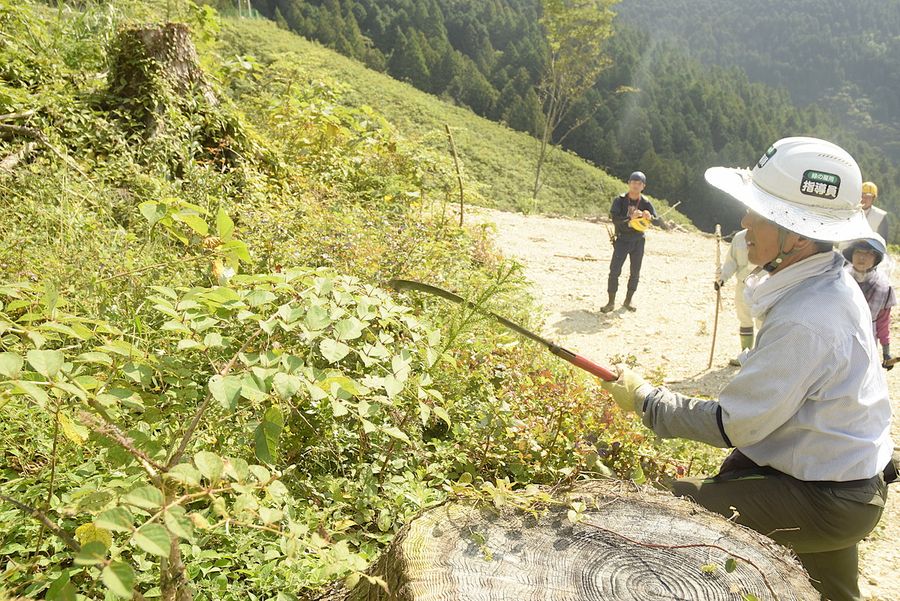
(205, 391)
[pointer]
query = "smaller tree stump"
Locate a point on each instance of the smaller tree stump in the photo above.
(630, 545)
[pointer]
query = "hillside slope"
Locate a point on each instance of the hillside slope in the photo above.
(498, 162)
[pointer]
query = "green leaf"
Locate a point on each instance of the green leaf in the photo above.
(34, 391)
(333, 350)
(187, 344)
(153, 539)
(166, 291)
(210, 465)
(46, 363)
(139, 373)
(153, 211)
(145, 497)
(73, 431)
(637, 474)
(10, 364)
(178, 522)
(236, 469)
(339, 408)
(349, 329)
(289, 312)
(193, 221)
(257, 298)
(117, 519)
(61, 589)
(252, 389)
(236, 249)
(424, 412)
(392, 386)
(267, 515)
(224, 225)
(267, 433)
(93, 357)
(119, 578)
(226, 390)
(397, 433)
(730, 565)
(91, 554)
(286, 385)
(185, 473)
(441, 413)
(213, 340)
(317, 318)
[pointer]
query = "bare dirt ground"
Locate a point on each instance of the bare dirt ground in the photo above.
(568, 262)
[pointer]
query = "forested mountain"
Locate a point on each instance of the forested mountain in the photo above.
(655, 108)
(844, 56)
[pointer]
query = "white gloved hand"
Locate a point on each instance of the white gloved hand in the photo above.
(629, 390)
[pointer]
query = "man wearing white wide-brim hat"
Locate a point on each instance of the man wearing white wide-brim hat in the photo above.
(808, 414)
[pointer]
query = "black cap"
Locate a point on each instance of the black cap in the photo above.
(638, 176)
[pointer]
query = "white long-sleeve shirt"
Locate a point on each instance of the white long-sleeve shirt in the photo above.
(737, 262)
(811, 399)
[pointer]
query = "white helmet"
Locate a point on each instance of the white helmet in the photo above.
(808, 186)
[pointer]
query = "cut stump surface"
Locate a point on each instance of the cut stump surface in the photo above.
(630, 544)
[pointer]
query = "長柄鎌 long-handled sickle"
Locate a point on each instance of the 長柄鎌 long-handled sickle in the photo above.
(573, 358)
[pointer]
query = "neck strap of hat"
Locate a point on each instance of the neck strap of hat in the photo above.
(782, 255)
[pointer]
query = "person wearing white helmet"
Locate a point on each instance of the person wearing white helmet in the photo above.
(863, 258)
(808, 413)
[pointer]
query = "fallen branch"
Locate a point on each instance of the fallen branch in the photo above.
(17, 116)
(583, 258)
(10, 162)
(46, 521)
(30, 132)
(112, 432)
(149, 267)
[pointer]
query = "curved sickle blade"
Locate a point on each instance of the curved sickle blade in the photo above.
(576, 360)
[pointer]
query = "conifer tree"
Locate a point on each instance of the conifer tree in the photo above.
(407, 61)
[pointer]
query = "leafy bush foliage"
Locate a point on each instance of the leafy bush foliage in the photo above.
(205, 391)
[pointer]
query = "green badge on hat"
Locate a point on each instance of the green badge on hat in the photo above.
(765, 158)
(820, 183)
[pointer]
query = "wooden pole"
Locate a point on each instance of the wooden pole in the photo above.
(718, 292)
(458, 172)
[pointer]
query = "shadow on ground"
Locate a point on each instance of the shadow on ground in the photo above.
(707, 383)
(580, 321)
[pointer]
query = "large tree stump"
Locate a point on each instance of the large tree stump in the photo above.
(154, 66)
(631, 545)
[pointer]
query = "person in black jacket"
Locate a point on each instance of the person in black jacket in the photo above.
(630, 214)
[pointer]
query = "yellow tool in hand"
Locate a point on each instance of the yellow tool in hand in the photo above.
(639, 224)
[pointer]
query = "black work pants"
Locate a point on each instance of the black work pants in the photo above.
(633, 248)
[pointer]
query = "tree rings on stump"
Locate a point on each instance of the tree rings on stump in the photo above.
(627, 544)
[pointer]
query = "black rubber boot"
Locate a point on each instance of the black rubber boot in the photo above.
(628, 304)
(609, 306)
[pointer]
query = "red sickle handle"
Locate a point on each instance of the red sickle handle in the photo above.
(586, 364)
(589, 366)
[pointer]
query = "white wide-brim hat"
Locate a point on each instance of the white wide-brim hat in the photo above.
(808, 186)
